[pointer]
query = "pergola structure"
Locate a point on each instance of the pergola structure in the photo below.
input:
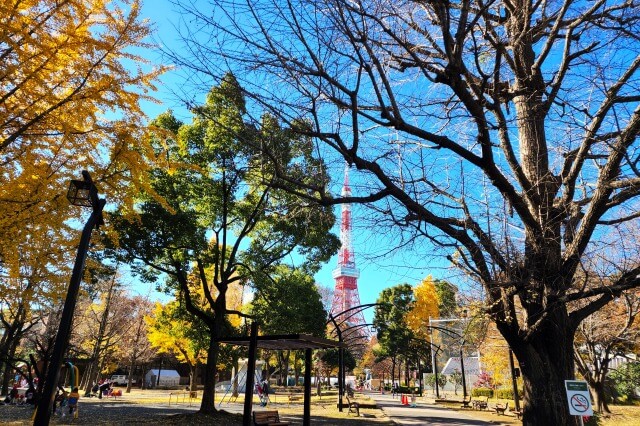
(279, 342)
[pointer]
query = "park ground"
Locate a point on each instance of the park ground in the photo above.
(155, 407)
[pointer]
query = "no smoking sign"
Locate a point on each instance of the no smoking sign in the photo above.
(578, 397)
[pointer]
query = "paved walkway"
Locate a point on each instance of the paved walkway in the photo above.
(422, 414)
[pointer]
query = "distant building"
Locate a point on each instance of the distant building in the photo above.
(168, 378)
(620, 360)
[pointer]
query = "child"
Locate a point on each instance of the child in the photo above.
(60, 402)
(74, 396)
(14, 394)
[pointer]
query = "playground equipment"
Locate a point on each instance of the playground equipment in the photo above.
(241, 378)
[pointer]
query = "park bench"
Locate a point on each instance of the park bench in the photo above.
(480, 404)
(354, 406)
(268, 418)
(501, 409)
(184, 394)
(294, 396)
(466, 403)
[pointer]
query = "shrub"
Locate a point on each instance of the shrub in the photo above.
(482, 392)
(626, 379)
(506, 393)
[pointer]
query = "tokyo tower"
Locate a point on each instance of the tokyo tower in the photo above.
(345, 295)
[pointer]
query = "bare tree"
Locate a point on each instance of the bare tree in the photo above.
(604, 335)
(503, 132)
(137, 348)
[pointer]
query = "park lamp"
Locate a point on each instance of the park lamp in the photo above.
(83, 193)
(80, 193)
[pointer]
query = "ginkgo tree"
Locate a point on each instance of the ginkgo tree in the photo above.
(425, 306)
(72, 80)
(171, 329)
(70, 101)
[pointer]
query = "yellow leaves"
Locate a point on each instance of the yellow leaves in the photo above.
(168, 334)
(425, 306)
(495, 356)
(71, 79)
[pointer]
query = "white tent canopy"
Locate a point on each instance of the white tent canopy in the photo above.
(167, 378)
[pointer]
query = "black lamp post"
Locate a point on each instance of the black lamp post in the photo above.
(515, 373)
(80, 193)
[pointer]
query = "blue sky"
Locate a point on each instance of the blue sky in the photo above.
(378, 270)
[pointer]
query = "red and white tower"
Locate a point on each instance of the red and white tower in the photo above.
(345, 295)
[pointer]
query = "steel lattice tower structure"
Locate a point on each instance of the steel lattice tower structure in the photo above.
(345, 295)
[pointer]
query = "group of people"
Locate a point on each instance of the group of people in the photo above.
(103, 387)
(16, 398)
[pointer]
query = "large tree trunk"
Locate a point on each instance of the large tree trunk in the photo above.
(234, 384)
(393, 372)
(599, 397)
(132, 366)
(193, 376)
(546, 361)
(208, 404)
(9, 371)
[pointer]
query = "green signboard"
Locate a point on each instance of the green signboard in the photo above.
(576, 386)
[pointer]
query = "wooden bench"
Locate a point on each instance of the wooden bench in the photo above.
(354, 406)
(267, 418)
(479, 404)
(294, 397)
(501, 409)
(518, 413)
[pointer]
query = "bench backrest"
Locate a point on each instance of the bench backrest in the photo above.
(263, 417)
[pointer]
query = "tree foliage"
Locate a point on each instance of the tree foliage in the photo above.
(70, 101)
(288, 303)
(73, 79)
(447, 303)
(221, 222)
(171, 329)
(390, 319)
(604, 335)
(626, 379)
(425, 306)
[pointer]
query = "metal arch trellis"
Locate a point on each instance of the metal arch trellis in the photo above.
(339, 329)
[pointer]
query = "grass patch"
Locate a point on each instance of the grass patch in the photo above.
(622, 415)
